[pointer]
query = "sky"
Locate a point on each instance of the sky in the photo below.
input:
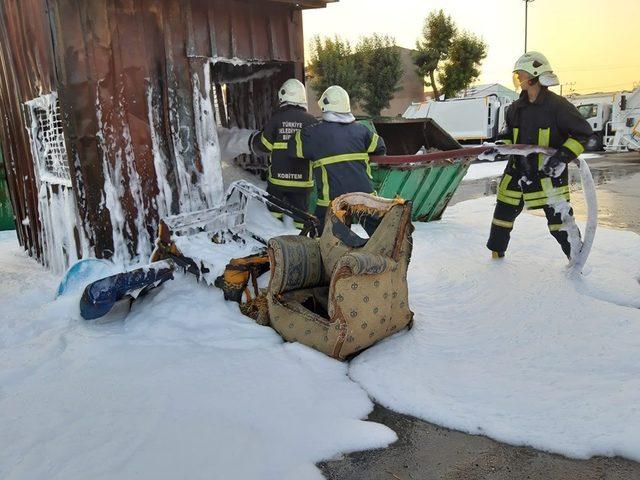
(591, 44)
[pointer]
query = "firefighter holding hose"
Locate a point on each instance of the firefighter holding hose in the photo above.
(539, 117)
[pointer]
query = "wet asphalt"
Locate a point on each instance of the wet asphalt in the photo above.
(425, 451)
(617, 178)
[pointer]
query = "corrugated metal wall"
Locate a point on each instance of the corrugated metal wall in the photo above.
(134, 81)
(26, 70)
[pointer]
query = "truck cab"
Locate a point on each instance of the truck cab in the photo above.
(598, 115)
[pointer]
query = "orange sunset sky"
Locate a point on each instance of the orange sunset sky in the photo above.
(590, 43)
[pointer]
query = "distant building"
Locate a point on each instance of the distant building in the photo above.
(412, 90)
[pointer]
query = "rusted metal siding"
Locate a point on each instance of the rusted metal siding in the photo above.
(128, 74)
(26, 69)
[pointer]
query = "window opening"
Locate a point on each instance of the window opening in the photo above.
(47, 136)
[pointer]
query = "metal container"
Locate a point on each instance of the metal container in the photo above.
(428, 180)
(429, 186)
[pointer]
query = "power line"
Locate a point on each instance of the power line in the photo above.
(630, 83)
(591, 69)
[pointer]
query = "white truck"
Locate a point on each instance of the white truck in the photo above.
(598, 113)
(623, 130)
(468, 120)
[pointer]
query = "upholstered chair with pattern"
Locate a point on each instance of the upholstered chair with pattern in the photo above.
(341, 293)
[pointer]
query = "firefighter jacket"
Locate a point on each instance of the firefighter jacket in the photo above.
(285, 171)
(550, 121)
(339, 154)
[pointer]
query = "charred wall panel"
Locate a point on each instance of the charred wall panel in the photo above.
(26, 71)
(134, 84)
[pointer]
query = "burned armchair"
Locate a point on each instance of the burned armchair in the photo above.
(340, 293)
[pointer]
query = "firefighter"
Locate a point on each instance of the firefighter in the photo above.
(338, 149)
(539, 117)
(288, 178)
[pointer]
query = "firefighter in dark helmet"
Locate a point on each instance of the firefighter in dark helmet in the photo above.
(288, 178)
(539, 117)
(338, 149)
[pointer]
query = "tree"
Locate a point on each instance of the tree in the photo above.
(462, 67)
(370, 72)
(437, 35)
(332, 62)
(380, 69)
(454, 56)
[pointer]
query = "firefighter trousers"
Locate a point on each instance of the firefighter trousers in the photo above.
(560, 221)
(299, 198)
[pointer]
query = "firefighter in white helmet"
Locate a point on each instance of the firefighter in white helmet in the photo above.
(539, 117)
(338, 148)
(288, 178)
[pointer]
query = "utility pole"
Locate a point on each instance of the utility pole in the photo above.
(568, 84)
(526, 12)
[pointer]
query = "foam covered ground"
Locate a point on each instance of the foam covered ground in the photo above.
(512, 349)
(484, 170)
(186, 387)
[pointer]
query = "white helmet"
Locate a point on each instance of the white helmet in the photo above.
(335, 99)
(537, 66)
(293, 92)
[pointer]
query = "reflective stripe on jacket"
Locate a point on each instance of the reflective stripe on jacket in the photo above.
(286, 171)
(551, 121)
(339, 154)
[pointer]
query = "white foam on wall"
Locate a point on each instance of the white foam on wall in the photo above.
(160, 163)
(211, 182)
(188, 196)
(61, 233)
(195, 186)
(145, 242)
(113, 190)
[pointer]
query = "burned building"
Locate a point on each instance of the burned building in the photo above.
(108, 111)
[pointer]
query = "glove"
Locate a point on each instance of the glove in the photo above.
(527, 167)
(490, 154)
(554, 165)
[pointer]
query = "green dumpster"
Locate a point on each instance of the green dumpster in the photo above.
(6, 214)
(429, 185)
